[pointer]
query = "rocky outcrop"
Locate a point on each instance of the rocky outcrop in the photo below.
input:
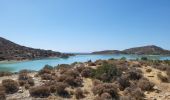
(12, 51)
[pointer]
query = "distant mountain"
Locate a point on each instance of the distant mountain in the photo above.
(144, 50)
(108, 52)
(13, 51)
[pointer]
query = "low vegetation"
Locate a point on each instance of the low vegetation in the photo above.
(100, 80)
(10, 86)
(40, 91)
(5, 74)
(106, 72)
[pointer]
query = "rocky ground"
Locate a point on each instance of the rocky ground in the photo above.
(159, 91)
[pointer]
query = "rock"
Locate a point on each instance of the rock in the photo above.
(157, 90)
(146, 92)
(20, 91)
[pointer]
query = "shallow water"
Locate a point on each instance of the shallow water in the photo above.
(38, 64)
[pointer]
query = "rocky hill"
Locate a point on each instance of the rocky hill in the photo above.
(12, 51)
(144, 50)
(148, 50)
(108, 52)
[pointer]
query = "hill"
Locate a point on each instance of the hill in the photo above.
(144, 50)
(108, 52)
(12, 51)
(148, 50)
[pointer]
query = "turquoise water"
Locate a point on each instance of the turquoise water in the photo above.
(38, 64)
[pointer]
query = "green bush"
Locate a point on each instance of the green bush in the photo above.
(123, 58)
(106, 72)
(144, 58)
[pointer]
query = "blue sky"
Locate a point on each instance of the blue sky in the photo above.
(86, 25)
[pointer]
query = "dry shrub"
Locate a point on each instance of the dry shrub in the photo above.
(71, 77)
(10, 85)
(23, 76)
(96, 82)
(135, 74)
(72, 72)
(87, 72)
(46, 76)
(100, 62)
(60, 89)
(91, 64)
(31, 82)
(36, 75)
(24, 71)
(125, 98)
(79, 93)
(122, 68)
(134, 93)
(47, 69)
(22, 82)
(168, 72)
(137, 94)
(40, 91)
(98, 98)
(53, 89)
(123, 82)
(5, 74)
(61, 78)
(63, 68)
(106, 96)
(2, 95)
(162, 78)
(106, 88)
(80, 68)
(145, 85)
(136, 65)
(75, 82)
(161, 67)
(27, 86)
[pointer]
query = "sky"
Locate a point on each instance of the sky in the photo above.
(86, 25)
